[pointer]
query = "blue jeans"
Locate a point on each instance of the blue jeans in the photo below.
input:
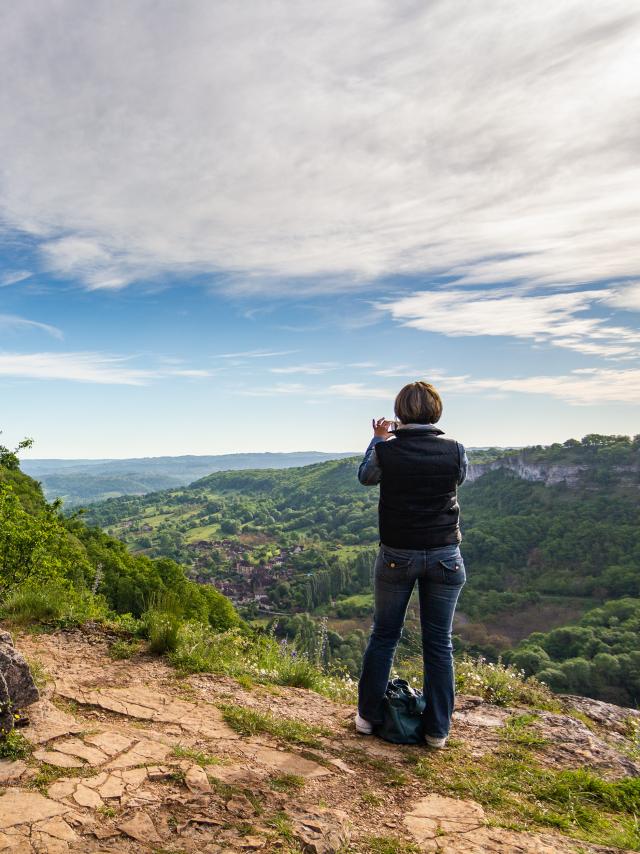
(440, 575)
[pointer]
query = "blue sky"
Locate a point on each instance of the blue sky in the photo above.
(226, 228)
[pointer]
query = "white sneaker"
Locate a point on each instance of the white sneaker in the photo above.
(432, 741)
(362, 726)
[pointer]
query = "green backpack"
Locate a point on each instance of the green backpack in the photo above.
(402, 707)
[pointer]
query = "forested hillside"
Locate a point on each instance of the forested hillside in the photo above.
(83, 481)
(303, 540)
(53, 563)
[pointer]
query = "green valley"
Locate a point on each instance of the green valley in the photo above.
(549, 535)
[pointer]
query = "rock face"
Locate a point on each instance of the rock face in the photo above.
(548, 473)
(17, 688)
(522, 468)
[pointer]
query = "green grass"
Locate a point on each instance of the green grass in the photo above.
(281, 823)
(258, 657)
(518, 792)
(389, 845)
(15, 746)
(163, 622)
(249, 722)
(39, 673)
(48, 774)
(53, 603)
(287, 783)
(196, 756)
(123, 649)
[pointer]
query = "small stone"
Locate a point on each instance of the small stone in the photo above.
(58, 828)
(322, 831)
(95, 782)
(10, 772)
(140, 828)
(86, 797)
(252, 842)
(133, 777)
(60, 760)
(159, 772)
(240, 806)
(196, 780)
(61, 789)
(113, 787)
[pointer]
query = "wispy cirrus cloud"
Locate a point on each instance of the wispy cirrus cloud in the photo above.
(88, 367)
(13, 277)
(386, 138)
(12, 321)
(556, 318)
(310, 368)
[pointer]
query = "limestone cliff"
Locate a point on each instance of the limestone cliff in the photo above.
(551, 473)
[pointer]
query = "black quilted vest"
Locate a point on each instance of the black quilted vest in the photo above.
(418, 506)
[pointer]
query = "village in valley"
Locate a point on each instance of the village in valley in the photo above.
(248, 577)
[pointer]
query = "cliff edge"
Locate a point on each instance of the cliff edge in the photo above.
(131, 756)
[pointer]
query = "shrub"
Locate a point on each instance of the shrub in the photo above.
(55, 602)
(501, 684)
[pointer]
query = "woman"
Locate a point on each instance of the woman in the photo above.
(418, 470)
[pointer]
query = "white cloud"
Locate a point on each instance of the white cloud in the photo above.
(581, 387)
(12, 277)
(554, 318)
(255, 354)
(626, 296)
(12, 321)
(312, 368)
(586, 386)
(332, 141)
(78, 367)
(88, 367)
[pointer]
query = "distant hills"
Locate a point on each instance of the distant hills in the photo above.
(85, 481)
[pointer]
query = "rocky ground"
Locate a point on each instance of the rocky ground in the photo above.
(132, 757)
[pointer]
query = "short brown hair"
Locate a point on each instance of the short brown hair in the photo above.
(418, 403)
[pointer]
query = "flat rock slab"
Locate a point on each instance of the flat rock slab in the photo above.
(482, 717)
(143, 752)
(497, 840)
(47, 722)
(149, 704)
(57, 828)
(76, 747)
(19, 807)
(236, 774)
(283, 761)
(110, 742)
(436, 815)
(60, 760)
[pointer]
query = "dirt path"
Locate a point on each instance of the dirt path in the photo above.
(131, 757)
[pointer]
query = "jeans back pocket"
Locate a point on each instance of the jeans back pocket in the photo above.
(453, 571)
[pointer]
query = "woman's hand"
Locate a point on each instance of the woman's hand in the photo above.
(382, 427)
